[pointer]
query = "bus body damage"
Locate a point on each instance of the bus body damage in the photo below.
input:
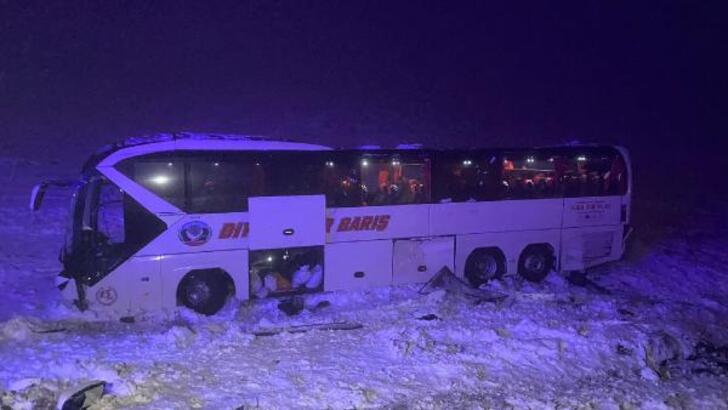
(107, 228)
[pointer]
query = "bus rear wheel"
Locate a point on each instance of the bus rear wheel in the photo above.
(535, 263)
(484, 265)
(204, 291)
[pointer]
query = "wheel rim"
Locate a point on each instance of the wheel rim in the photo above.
(534, 263)
(487, 268)
(198, 293)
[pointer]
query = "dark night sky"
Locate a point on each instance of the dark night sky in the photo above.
(645, 74)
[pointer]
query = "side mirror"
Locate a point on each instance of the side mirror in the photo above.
(36, 196)
(38, 192)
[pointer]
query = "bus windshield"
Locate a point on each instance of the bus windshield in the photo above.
(73, 230)
(107, 227)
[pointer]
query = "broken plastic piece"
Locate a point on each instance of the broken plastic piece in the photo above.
(83, 398)
(445, 279)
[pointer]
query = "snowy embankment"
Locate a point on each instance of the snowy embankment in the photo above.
(646, 333)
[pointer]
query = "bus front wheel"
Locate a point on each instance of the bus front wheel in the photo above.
(536, 262)
(204, 291)
(483, 265)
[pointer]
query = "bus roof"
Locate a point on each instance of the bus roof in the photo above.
(131, 147)
(136, 146)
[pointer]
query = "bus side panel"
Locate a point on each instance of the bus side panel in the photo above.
(626, 198)
(131, 288)
(495, 216)
(286, 221)
(175, 267)
(417, 260)
(226, 231)
(590, 246)
(510, 243)
(357, 265)
(592, 232)
(145, 284)
(592, 211)
(376, 222)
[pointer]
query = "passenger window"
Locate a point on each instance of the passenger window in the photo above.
(595, 172)
(467, 176)
(392, 180)
(615, 180)
(530, 175)
(292, 173)
(163, 176)
(341, 183)
(223, 183)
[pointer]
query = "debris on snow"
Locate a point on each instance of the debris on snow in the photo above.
(445, 279)
(291, 306)
(307, 328)
(15, 329)
(83, 398)
(320, 305)
(180, 336)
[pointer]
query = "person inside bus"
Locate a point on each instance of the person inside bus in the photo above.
(204, 196)
(382, 194)
(529, 187)
(511, 182)
(508, 165)
(381, 197)
(615, 181)
(350, 193)
(456, 185)
(406, 194)
(418, 190)
(561, 167)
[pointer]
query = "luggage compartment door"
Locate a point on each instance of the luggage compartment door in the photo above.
(417, 260)
(287, 221)
(358, 265)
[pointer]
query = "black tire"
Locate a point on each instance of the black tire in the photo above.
(204, 291)
(484, 265)
(535, 263)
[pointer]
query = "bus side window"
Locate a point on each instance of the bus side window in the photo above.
(467, 176)
(615, 180)
(395, 180)
(530, 175)
(340, 182)
(162, 175)
(222, 183)
(292, 173)
(595, 172)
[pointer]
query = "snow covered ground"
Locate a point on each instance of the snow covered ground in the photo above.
(643, 333)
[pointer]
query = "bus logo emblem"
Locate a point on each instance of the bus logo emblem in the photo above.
(106, 296)
(195, 233)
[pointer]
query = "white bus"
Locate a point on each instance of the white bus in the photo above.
(190, 220)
